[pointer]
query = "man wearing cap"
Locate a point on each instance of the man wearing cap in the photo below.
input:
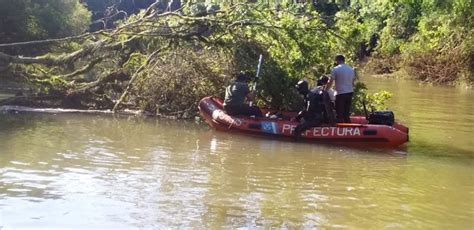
(235, 95)
(344, 77)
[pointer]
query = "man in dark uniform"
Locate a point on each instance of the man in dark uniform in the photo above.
(235, 95)
(317, 109)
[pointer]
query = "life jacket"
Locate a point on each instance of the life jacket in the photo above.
(319, 106)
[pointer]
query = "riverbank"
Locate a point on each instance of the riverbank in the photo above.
(441, 72)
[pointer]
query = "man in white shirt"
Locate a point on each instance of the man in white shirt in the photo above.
(344, 77)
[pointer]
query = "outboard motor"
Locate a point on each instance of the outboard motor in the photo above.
(381, 117)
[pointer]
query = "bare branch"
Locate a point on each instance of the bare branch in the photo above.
(53, 40)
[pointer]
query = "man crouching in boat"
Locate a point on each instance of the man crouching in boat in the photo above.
(235, 95)
(317, 108)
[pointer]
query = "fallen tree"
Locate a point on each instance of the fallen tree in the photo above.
(164, 62)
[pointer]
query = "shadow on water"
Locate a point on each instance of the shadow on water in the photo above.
(439, 150)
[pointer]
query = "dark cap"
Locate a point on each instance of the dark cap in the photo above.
(243, 76)
(340, 57)
(323, 80)
(302, 86)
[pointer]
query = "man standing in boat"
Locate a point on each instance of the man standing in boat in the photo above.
(235, 95)
(344, 76)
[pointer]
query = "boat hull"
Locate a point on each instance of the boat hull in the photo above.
(358, 133)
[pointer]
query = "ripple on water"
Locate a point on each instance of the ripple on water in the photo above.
(209, 180)
(27, 183)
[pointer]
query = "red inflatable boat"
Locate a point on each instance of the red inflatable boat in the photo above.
(358, 133)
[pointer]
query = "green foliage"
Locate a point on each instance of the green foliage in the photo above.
(179, 79)
(134, 62)
(426, 34)
(374, 101)
(294, 41)
(202, 46)
(25, 20)
(377, 100)
(296, 44)
(398, 22)
(353, 32)
(439, 51)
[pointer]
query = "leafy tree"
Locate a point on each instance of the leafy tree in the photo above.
(26, 20)
(166, 62)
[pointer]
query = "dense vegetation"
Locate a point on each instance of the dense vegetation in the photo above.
(164, 61)
(431, 39)
(26, 20)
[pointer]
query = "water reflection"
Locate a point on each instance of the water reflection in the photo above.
(290, 186)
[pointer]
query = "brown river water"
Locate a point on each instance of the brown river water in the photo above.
(76, 171)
